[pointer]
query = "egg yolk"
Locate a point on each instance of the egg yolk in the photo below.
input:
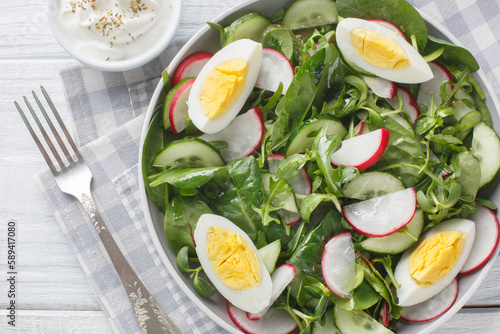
(435, 257)
(233, 259)
(379, 50)
(222, 87)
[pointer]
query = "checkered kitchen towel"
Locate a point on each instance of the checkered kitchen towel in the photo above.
(107, 110)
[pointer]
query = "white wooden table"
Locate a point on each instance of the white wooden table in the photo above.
(52, 294)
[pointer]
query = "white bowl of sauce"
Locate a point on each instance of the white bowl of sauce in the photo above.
(114, 35)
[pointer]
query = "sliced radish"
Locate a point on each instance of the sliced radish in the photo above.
(433, 307)
(391, 26)
(485, 241)
(275, 68)
(381, 87)
(179, 108)
(301, 184)
(409, 103)
(275, 321)
(281, 277)
(362, 151)
(433, 86)
(338, 265)
(190, 66)
(383, 215)
(243, 135)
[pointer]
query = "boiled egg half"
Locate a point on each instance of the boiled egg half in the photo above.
(232, 263)
(224, 84)
(381, 51)
(434, 261)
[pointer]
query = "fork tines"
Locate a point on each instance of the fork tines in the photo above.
(60, 161)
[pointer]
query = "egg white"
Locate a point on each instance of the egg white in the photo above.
(419, 71)
(410, 293)
(253, 300)
(242, 49)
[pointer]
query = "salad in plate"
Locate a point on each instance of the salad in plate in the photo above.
(323, 170)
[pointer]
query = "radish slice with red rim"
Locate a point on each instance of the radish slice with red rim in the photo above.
(243, 135)
(433, 86)
(274, 68)
(381, 87)
(338, 265)
(391, 26)
(179, 108)
(433, 307)
(275, 321)
(485, 241)
(281, 277)
(383, 215)
(410, 105)
(362, 151)
(190, 66)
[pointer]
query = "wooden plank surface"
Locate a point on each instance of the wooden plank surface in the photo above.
(53, 293)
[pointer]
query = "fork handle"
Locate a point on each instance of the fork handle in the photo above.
(151, 318)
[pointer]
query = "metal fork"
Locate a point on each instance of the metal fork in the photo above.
(73, 177)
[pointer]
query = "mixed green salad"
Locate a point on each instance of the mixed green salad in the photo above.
(447, 152)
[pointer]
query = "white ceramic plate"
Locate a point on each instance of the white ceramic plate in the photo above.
(208, 40)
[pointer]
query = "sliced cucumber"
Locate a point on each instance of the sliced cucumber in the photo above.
(357, 322)
(373, 184)
(248, 26)
(304, 14)
(486, 148)
(189, 152)
(397, 242)
(303, 137)
(270, 253)
(328, 327)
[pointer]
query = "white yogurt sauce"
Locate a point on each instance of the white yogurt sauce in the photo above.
(113, 29)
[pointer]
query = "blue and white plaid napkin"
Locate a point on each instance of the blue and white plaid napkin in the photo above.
(107, 110)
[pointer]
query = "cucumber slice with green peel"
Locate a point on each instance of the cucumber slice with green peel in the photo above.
(189, 152)
(302, 138)
(397, 242)
(373, 184)
(486, 148)
(304, 14)
(270, 253)
(249, 26)
(358, 322)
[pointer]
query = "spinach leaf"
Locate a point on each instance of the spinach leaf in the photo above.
(181, 218)
(452, 54)
(153, 144)
(189, 178)
(236, 198)
(307, 256)
(320, 74)
(467, 176)
(363, 297)
(398, 12)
